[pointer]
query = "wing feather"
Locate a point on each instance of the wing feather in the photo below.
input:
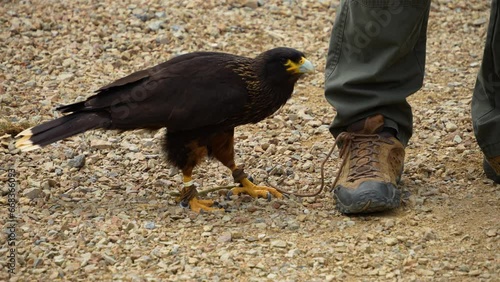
(188, 92)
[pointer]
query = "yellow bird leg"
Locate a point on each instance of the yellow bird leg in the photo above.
(197, 205)
(189, 195)
(254, 190)
(187, 180)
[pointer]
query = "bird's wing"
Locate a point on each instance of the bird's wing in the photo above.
(188, 93)
(142, 74)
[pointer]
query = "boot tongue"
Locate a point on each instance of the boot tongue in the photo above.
(370, 125)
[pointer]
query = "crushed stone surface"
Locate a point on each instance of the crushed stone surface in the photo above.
(99, 206)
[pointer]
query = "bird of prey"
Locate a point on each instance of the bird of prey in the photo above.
(199, 97)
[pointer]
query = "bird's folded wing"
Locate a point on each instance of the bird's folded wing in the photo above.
(185, 94)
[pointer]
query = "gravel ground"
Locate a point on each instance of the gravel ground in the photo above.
(100, 206)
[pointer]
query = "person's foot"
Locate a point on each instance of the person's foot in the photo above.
(372, 163)
(491, 168)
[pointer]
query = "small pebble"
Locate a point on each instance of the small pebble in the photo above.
(278, 244)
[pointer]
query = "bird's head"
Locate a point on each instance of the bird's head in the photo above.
(284, 64)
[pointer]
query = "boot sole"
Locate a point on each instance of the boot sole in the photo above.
(369, 197)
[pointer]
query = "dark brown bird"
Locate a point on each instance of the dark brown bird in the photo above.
(199, 97)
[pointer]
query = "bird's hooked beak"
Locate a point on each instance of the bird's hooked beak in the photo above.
(303, 66)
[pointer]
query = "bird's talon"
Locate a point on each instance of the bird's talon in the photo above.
(200, 205)
(269, 196)
(229, 194)
(219, 205)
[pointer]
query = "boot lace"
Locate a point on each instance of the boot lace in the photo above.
(363, 150)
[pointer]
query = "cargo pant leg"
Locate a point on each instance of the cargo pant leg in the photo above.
(376, 59)
(486, 97)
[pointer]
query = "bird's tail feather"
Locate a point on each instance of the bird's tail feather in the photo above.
(46, 133)
(71, 108)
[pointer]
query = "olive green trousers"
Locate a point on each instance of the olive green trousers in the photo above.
(376, 59)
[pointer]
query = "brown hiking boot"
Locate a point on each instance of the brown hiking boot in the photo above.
(491, 168)
(372, 163)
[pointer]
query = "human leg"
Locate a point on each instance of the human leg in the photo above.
(375, 61)
(486, 98)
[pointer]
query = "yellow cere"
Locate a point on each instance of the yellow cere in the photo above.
(293, 66)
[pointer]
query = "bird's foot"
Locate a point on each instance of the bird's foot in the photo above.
(189, 198)
(199, 205)
(255, 191)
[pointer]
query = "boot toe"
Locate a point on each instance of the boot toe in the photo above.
(369, 196)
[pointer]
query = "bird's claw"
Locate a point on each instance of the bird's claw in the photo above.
(255, 192)
(199, 205)
(184, 204)
(229, 194)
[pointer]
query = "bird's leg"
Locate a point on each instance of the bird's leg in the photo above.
(249, 188)
(223, 149)
(189, 197)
